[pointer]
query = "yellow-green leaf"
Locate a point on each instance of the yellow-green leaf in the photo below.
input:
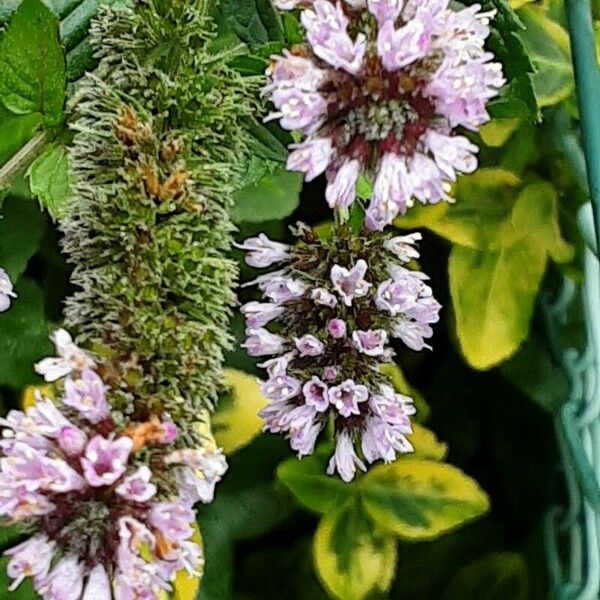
(421, 499)
(426, 444)
(482, 205)
(497, 131)
(493, 294)
(353, 559)
(236, 421)
(548, 46)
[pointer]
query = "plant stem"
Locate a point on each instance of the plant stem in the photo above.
(22, 159)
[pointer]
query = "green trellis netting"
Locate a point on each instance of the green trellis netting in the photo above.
(572, 531)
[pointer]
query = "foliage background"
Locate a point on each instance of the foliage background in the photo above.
(278, 528)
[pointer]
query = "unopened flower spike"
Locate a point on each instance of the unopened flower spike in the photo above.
(325, 326)
(379, 89)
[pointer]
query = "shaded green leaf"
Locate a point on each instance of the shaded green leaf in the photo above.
(32, 64)
(275, 196)
(15, 132)
(23, 335)
(49, 180)
(21, 229)
(497, 576)
(353, 558)
(255, 22)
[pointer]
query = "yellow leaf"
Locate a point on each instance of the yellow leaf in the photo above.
(236, 422)
(426, 444)
(28, 395)
(184, 586)
(353, 558)
(421, 499)
(496, 132)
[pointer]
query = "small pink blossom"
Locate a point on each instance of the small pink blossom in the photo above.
(345, 460)
(281, 387)
(65, 581)
(336, 328)
(311, 157)
(316, 394)
(351, 283)
(323, 297)
(98, 586)
(105, 460)
(263, 252)
(173, 520)
(259, 314)
(371, 342)
(342, 191)
(72, 440)
(347, 397)
(261, 342)
(309, 345)
(403, 246)
(32, 558)
(137, 486)
(70, 358)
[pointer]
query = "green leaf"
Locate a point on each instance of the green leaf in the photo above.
(421, 499)
(236, 422)
(32, 64)
(505, 41)
(497, 576)
(49, 180)
(21, 229)
(309, 484)
(255, 22)
(548, 46)
(353, 559)
(10, 535)
(275, 196)
(23, 335)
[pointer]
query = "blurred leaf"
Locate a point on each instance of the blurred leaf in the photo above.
(537, 376)
(548, 45)
(292, 28)
(421, 499)
(10, 535)
(15, 131)
(49, 179)
(266, 145)
(309, 484)
(497, 576)
(352, 558)
(23, 335)
(32, 64)
(426, 444)
(236, 422)
(482, 204)
(21, 228)
(253, 21)
(496, 132)
(275, 196)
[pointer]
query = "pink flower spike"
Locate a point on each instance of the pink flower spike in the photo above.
(137, 487)
(106, 460)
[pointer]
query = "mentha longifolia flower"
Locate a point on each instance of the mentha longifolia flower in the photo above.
(327, 321)
(379, 89)
(110, 508)
(6, 291)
